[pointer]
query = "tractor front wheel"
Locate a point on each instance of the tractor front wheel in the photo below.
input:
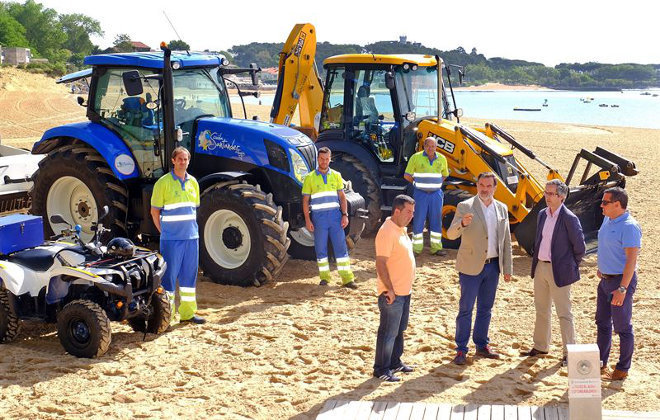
(243, 239)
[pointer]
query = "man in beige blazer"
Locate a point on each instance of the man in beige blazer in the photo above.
(482, 223)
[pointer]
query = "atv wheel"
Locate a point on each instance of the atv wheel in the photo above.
(84, 329)
(449, 204)
(159, 316)
(242, 236)
(9, 323)
(75, 182)
(364, 183)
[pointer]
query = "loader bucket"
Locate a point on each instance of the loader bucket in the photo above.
(584, 202)
(584, 199)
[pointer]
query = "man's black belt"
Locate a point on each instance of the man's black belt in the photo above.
(490, 260)
(545, 261)
(611, 276)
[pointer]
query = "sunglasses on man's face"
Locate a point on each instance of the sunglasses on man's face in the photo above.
(606, 202)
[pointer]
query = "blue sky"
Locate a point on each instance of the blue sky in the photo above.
(549, 32)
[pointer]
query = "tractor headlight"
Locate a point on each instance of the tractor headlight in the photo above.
(299, 166)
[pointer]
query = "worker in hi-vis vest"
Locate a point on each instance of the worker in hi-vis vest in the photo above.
(426, 170)
(324, 198)
(174, 203)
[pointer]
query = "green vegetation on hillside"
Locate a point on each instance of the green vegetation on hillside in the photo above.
(64, 39)
(479, 69)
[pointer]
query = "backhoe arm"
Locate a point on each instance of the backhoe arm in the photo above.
(298, 82)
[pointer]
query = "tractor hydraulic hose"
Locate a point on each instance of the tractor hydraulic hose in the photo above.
(527, 152)
(238, 89)
(469, 134)
(439, 93)
(451, 89)
(168, 104)
(508, 137)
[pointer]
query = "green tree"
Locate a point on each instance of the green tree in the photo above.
(178, 45)
(78, 29)
(42, 28)
(12, 33)
(122, 43)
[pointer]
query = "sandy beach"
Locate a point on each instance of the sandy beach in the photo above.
(282, 350)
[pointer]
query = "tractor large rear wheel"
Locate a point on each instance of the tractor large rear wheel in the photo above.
(243, 239)
(75, 182)
(449, 204)
(364, 183)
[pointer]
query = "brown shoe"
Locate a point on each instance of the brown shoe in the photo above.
(533, 353)
(487, 352)
(616, 375)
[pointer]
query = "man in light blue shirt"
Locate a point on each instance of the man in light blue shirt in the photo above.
(619, 242)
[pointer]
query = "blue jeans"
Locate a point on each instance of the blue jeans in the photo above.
(481, 288)
(620, 316)
(389, 342)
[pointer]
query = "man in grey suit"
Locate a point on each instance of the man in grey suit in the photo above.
(558, 251)
(484, 253)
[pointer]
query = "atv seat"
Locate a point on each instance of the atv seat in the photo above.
(37, 259)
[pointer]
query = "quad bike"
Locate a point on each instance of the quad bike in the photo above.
(82, 287)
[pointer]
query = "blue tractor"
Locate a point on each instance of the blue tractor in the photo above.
(140, 107)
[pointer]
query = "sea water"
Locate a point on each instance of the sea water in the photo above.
(633, 110)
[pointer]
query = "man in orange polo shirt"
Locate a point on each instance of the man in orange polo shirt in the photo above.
(395, 265)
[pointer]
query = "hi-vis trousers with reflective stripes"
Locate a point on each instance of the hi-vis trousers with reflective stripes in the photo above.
(327, 224)
(427, 204)
(182, 258)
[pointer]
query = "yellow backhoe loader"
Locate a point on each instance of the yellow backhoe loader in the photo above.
(374, 111)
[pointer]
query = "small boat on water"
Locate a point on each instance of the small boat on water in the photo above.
(603, 105)
(545, 102)
(526, 109)
(655, 94)
(646, 93)
(614, 106)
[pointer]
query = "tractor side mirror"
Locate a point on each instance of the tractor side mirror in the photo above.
(253, 74)
(389, 80)
(81, 101)
(132, 82)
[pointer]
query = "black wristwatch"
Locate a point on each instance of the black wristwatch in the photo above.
(622, 289)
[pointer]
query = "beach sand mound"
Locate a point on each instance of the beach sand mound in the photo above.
(32, 103)
(282, 350)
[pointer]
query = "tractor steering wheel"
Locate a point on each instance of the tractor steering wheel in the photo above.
(179, 104)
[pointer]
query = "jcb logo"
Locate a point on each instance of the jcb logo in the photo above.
(299, 46)
(445, 145)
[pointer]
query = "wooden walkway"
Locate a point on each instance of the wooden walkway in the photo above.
(382, 410)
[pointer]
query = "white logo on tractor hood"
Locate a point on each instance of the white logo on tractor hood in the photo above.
(124, 164)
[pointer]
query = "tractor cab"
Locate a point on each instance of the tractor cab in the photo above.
(126, 96)
(375, 100)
